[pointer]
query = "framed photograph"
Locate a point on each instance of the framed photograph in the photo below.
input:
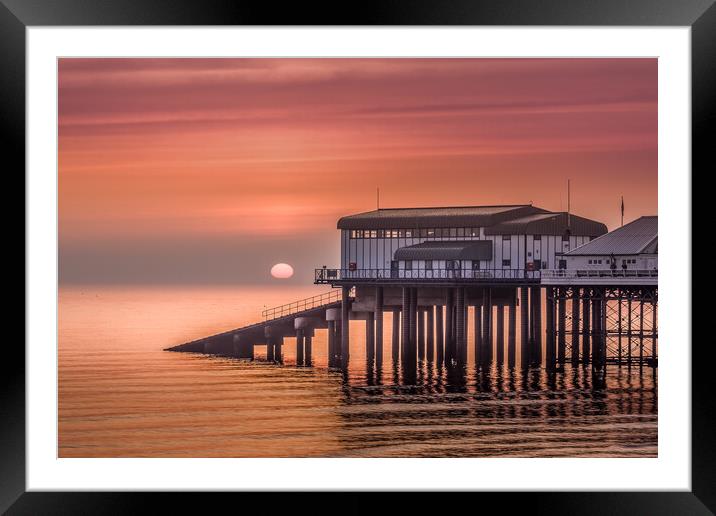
(414, 249)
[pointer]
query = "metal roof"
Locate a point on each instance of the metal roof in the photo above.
(447, 250)
(556, 223)
(638, 237)
(436, 217)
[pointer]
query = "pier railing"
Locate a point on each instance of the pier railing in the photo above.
(478, 275)
(302, 305)
(587, 273)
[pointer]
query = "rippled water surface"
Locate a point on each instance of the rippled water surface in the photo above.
(120, 395)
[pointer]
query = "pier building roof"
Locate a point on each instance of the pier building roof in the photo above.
(436, 217)
(555, 223)
(637, 237)
(447, 250)
(497, 220)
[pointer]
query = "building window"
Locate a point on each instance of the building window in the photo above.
(475, 232)
(538, 237)
(431, 233)
(476, 265)
(428, 264)
(461, 232)
(505, 263)
(408, 265)
(408, 233)
(506, 237)
(453, 232)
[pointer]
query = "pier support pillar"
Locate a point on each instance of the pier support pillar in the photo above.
(430, 341)
(586, 323)
(299, 347)
(268, 333)
(331, 341)
(536, 354)
(654, 329)
(308, 347)
(598, 332)
(460, 322)
(512, 330)
(551, 341)
(421, 334)
(395, 337)
(439, 335)
(370, 337)
(500, 337)
(449, 311)
(333, 318)
(242, 349)
(486, 352)
(379, 325)
(405, 325)
(477, 316)
(345, 325)
(524, 329)
(575, 325)
(561, 325)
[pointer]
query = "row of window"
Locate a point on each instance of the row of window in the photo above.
(451, 264)
(599, 261)
(428, 233)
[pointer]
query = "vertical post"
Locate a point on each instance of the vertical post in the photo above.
(490, 335)
(619, 326)
(430, 333)
(575, 325)
(379, 325)
(478, 333)
(562, 326)
(299, 346)
(413, 324)
(268, 334)
(439, 334)
(524, 329)
(466, 330)
(369, 337)
(345, 325)
(500, 334)
(405, 325)
(331, 341)
(641, 328)
(278, 348)
(486, 344)
(586, 331)
(395, 337)
(549, 319)
(448, 325)
(598, 331)
(460, 321)
(653, 329)
(421, 334)
(512, 330)
(537, 349)
(629, 328)
(308, 346)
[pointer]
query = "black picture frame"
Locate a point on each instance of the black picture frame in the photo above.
(17, 15)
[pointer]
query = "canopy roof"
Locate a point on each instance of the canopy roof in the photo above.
(638, 237)
(447, 250)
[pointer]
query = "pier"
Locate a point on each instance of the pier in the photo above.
(583, 296)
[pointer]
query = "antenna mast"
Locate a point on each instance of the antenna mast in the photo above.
(569, 205)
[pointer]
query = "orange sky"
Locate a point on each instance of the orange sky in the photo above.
(212, 170)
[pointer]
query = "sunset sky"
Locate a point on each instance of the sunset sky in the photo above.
(209, 171)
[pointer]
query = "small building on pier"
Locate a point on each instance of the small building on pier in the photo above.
(628, 254)
(483, 243)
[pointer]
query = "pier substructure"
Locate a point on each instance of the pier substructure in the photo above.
(379, 325)
(421, 334)
(370, 337)
(449, 313)
(614, 324)
(439, 335)
(430, 341)
(561, 326)
(460, 322)
(550, 347)
(512, 330)
(486, 352)
(477, 316)
(331, 341)
(268, 334)
(405, 325)
(525, 358)
(299, 346)
(500, 344)
(536, 304)
(395, 335)
(345, 325)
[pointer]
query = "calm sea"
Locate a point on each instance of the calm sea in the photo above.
(120, 395)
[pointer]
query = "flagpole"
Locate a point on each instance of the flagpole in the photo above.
(622, 210)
